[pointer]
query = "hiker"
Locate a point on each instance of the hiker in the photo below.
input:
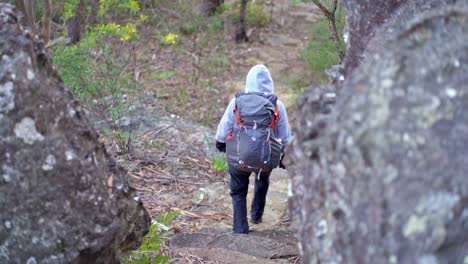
(253, 130)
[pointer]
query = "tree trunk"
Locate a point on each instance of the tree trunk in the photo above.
(26, 7)
(331, 17)
(46, 18)
(76, 24)
(241, 31)
(94, 5)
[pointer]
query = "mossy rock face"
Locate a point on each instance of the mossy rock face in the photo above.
(380, 173)
(61, 200)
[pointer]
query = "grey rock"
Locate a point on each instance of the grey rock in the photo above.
(371, 23)
(380, 175)
(56, 201)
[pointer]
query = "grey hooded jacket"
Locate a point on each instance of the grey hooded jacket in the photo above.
(258, 80)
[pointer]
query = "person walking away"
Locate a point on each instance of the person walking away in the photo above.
(253, 131)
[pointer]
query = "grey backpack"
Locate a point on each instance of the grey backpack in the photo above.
(253, 145)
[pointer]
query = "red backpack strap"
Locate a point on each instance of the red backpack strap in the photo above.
(275, 119)
(236, 113)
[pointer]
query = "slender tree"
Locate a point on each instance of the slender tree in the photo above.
(26, 7)
(330, 14)
(241, 30)
(77, 24)
(46, 18)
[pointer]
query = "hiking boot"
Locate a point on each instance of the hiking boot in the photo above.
(256, 222)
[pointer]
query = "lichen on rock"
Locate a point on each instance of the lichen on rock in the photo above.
(55, 204)
(399, 128)
(26, 130)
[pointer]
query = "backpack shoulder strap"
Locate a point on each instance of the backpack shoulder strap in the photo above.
(275, 119)
(236, 114)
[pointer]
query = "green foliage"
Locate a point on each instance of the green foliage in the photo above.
(69, 8)
(256, 15)
(169, 39)
(220, 162)
(190, 24)
(223, 8)
(297, 83)
(164, 75)
(132, 6)
(216, 24)
(219, 159)
(124, 33)
(321, 51)
(256, 12)
(95, 74)
(150, 251)
(216, 63)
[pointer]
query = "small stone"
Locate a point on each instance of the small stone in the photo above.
(30, 74)
(8, 225)
(465, 261)
(98, 229)
(31, 260)
(321, 229)
(414, 226)
(450, 92)
(70, 155)
(6, 178)
(49, 163)
(387, 83)
(393, 259)
(71, 111)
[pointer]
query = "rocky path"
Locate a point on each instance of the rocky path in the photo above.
(272, 241)
(170, 162)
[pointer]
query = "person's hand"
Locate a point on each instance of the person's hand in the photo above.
(221, 146)
(281, 165)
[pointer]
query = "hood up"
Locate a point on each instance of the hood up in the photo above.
(259, 80)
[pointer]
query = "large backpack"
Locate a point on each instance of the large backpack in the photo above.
(253, 145)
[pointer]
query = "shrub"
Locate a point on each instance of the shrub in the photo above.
(98, 77)
(256, 15)
(321, 51)
(150, 250)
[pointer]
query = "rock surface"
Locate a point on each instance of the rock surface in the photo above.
(371, 23)
(380, 175)
(60, 199)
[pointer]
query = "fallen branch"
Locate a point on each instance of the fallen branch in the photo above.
(216, 216)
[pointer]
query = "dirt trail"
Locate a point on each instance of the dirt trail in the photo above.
(271, 241)
(170, 161)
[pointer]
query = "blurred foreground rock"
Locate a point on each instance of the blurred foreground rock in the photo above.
(380, 175)
(60, 199)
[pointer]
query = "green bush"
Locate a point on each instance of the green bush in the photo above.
(220, 162)
(150, 251)
(257, 15)
(321, 51)
(99, 78)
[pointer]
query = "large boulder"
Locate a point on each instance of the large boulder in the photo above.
(61, 201)
(371, 23)
(380, 175)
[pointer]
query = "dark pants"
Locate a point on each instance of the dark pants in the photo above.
(239, 188)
